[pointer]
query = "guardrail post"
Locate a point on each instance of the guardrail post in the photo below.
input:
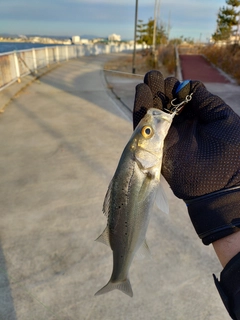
(57, 54)
(34, 60)
(17, 66)
(66, 53)
(47, 56)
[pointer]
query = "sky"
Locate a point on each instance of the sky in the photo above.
(189, 18)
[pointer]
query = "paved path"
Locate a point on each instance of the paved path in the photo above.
(61, 139)
(196, 67)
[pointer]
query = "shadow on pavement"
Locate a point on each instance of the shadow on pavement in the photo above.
(7, 311)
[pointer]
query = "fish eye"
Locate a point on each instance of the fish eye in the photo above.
(147, 132)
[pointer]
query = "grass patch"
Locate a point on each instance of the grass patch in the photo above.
(167, 58)
(144, 62)
(226, 58)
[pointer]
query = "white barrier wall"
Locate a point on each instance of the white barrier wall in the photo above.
(17, 64)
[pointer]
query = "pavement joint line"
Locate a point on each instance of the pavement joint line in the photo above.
(111, 89)
(125, 73)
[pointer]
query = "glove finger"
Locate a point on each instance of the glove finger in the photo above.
(170, 87)
(143, 101)
(154, 79)
(207, 106)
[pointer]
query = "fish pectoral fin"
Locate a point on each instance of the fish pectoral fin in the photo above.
(146, 159)
(161, 199)
(124, 286)
(104, 237)
(143, 251)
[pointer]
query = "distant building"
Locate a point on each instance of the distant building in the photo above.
(96, 40)
(114, 37)
(22, 36)
(75, 39)
(231, 40)
(85, 41)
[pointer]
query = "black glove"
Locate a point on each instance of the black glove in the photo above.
(201, 159)
(229, 287)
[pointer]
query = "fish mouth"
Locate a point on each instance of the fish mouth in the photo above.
(163, 115)
(156, 112)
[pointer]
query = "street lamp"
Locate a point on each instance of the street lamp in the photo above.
(135, 38)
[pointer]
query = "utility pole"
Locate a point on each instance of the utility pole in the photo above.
(135, 39)
(238, 29)
(156, 16)
(169, 25)
(154, 34)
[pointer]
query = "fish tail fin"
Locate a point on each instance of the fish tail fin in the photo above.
(124, 286)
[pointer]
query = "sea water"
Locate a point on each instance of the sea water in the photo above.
(13, 46)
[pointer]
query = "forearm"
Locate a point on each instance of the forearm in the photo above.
(228, 252)
(227, 247)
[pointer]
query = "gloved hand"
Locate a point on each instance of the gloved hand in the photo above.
(201, 155)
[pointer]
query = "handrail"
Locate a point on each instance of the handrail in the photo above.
(16, 64)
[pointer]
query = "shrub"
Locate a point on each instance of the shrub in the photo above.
(226, 58)
(167, 58)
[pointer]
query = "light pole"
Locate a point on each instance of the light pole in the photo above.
(156, 13)
(135, 38)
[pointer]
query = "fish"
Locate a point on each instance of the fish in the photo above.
(131, 194)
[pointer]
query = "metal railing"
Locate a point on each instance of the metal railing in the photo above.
(17, 64)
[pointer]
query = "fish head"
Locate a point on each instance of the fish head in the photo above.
(148, 137)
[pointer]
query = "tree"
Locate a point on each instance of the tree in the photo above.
(227, 19)
(141, 30)
(148, 36)
(161, 34)
(145, 32)
(176, 41)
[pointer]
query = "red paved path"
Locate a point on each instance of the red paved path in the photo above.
(196, 67)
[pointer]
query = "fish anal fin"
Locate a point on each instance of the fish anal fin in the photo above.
(104, 237)
(124, 286)
(143, 251)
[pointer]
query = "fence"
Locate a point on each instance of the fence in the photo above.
(17, 64)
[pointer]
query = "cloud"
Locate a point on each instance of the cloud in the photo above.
(62, 10)
(112, 2)
(188, 17)
(103, 10)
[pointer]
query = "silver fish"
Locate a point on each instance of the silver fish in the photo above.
(131, 195)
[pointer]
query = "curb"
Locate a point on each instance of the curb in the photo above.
(178, 66)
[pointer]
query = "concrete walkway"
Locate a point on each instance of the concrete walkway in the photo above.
(61, 140)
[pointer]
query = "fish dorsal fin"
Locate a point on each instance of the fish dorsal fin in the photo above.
(104, 237)
(143, 251)
(161, 199)
(107, 200)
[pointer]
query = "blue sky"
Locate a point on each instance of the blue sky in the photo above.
(190, 18)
